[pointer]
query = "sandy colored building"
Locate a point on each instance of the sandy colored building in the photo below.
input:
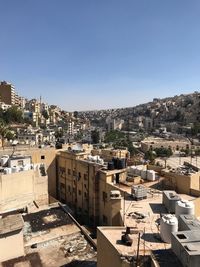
(152, 143)
(47, 156)
(87, 187)
(108, 153)
(11, 237)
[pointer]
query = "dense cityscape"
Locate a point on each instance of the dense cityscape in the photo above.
(116, 187)
(99, 133)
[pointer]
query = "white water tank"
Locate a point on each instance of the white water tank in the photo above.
(4, 160)
(144, 174)
(168, 224)
(184, 207)
(132, 169)
(151, 175)
(27, 167)
(7, 170)
(138, 171)
(14, 169)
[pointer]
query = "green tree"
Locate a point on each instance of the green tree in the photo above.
(13, 114)
(75, 114)
(59, 134)
(150, 155)
(45, 114)
(3, 131)
(95, 137)
(10, 135)
(114, 136)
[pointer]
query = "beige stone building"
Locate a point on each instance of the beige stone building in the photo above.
(11, 237)
(108, 153)
(89, 188)
(152, 143)
(182, 183)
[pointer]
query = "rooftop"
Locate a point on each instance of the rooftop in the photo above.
(144, 215)
(52, 239)
(11, 223)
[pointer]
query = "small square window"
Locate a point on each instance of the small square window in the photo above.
(42, 157)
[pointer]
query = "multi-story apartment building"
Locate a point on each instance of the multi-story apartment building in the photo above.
(114, 124)
(88, 188)
(70, 126)
(33, 105)
(8, 94)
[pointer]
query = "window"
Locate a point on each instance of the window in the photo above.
(79, 175)
(69, 188)
(105, 219)
(104, 195)
(62, 186)
(69, 172)
(85, 176)
(85, 195)
(42, 157)
(62, 172)
(74, 173)
(79, 192)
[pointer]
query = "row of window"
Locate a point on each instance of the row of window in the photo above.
(62, 172)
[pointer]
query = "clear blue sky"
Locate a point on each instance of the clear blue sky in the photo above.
(93, 54)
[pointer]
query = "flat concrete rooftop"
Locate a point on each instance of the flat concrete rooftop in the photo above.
(11, 223)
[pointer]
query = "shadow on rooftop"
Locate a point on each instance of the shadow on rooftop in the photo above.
(32, 260)
(158, 208)
(151, 237)
(47, 219)
(80, 263)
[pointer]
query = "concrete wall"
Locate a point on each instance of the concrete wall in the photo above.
(11, 246)
(197, 206)
(39, 155)
(158, 143)
(179, 183)
(182, 183)
(18, 190)
(48, 157)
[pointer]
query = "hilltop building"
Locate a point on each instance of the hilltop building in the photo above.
(8, 94)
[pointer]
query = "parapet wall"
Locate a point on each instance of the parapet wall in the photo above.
(18, 190)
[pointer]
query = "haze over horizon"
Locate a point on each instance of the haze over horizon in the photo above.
(89, 55)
